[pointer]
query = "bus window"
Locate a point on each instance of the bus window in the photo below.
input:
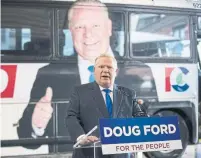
(117, 38)
(199, 39)
(25, 31)
(159, 35)
(199, 46)
(199, 23)
(65, 38)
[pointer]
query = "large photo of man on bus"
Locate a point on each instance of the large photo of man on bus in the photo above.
(91, 30)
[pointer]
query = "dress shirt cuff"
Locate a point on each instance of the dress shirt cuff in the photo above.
(37, 131)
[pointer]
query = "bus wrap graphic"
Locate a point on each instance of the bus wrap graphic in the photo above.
(178, 83)
(8, 74)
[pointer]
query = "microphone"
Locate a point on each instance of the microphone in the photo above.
(138, 109)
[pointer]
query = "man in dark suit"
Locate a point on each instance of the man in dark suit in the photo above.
(42, 118)
(100, 99)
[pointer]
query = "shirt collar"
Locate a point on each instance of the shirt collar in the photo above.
(83, 61)
(110, 88)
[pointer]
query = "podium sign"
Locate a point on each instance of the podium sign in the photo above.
(126, 135)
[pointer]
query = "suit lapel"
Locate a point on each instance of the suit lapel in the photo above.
(100, 103)
(98, 100)
(117, 101)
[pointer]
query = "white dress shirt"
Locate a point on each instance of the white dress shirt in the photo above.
(103, 93)
(83, 65)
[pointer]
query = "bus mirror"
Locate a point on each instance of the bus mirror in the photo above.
(199, 23)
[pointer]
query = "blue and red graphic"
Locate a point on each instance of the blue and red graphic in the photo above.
(179, 85)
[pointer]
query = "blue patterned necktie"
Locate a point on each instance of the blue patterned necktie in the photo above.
(91, 70)
(108, 101)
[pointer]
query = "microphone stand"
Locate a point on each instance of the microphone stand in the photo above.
(138, 110)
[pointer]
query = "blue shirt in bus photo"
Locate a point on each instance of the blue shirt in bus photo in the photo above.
(91, 31)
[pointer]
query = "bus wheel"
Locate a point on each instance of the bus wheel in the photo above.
(184, 133)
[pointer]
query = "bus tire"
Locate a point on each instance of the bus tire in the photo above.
(184, 133)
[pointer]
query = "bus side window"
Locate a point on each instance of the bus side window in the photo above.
(199, 38)
(25, 31)
(199, 23)
(117, 39)
(65, 39)
(199, 46)
(159, 35)
(199, 61)
(199, 41)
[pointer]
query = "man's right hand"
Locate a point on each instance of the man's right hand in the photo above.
(88, 139)
(43, 110)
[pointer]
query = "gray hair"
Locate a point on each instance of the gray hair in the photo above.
(106, 55)
(82, 3)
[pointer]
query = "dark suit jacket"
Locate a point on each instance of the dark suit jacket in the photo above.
(87, 105)
(62, 77)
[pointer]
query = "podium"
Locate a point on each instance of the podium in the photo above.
(93, 150)
(129, 137)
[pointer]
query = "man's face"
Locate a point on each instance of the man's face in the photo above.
(91, 31)
(105, 71)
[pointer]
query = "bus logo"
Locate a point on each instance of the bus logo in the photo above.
(8, 76)
(174, 79)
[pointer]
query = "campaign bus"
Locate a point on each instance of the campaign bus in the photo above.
(157, 44)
